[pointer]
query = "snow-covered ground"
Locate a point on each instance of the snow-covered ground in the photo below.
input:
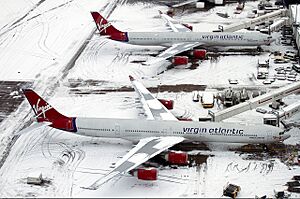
(39, 38)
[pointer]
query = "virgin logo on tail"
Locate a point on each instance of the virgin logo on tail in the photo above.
(102, 27)
(41, 110)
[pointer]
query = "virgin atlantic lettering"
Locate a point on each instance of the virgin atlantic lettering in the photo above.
(219, 130)
(223, 37)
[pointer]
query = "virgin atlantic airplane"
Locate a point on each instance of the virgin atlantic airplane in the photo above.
(180, 39)
(160, 131)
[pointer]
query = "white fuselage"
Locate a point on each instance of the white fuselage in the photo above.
(204, 38)
(135, 130)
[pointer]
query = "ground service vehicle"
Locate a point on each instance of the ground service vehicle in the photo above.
(231, 190)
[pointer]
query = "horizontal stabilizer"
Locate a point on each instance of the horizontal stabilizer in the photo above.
(34, 126)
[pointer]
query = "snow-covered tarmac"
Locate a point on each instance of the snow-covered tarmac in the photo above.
(38, 47)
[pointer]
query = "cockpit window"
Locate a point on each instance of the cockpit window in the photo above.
(269, 37)
(281, 133)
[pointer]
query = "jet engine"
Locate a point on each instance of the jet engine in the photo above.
(177, 157)
(199, 53)
(180, 60)
(144, 173)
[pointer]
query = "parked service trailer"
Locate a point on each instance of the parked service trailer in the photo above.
(296, 67)
(195, 96)
(35, 178)
(231, 190)
(262, 69)
(207, 100)
(229, 97)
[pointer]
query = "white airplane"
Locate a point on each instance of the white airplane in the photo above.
(158, 133)
(181, 39)
(194, 2)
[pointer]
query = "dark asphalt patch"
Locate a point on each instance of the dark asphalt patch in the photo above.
(11, 96)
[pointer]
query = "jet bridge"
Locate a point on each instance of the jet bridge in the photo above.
(256, 102)
(276, 117)
(258, 20)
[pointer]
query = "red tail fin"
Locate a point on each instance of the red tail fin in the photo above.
(45, 112)
(105, 28)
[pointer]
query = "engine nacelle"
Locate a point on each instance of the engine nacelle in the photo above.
(147, 173)
(180, 60)
(188, 26)
(177, 157)
(199, 53)
(169, 104)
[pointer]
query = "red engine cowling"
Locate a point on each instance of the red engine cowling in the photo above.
(177, 157)
(199, 53)
(169, 104)
(180, 60)
(188, 26)
(147, 173)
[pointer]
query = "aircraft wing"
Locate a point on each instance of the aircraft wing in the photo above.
(143, 151)
(177, 48)
(184, 3)
(173, 50)
(154, 109)
(174, 24)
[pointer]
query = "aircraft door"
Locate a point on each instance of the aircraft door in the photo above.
(164, 131)
(269, 136)
(117, 130)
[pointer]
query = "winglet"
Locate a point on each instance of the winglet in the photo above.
(89, 188)
(35, 126)
(131, 78)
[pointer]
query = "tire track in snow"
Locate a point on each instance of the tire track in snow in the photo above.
(16, 22)
(42, 40)
(25, 143)
(19, 22)
(67, 161)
